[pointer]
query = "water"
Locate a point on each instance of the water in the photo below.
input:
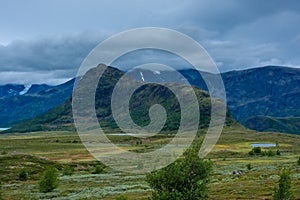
(263, 145)
(4, 129)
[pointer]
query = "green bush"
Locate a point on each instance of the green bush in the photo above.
(255, 151)
(98, 169)
(49, 181)
(122, 197)
(249, 166)
(185, 179)
(278, 153)
(251, 153)
(284, 190)
(23, 175)
(258, 151)
(270, 153)
(68, 171)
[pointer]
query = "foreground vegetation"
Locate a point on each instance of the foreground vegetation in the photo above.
(25, 157)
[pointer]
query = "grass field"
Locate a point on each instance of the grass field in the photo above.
(36, 151)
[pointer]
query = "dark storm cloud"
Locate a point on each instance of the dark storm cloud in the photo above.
(237, 34)
(57, 57)
(46, 53)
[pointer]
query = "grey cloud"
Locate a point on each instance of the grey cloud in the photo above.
(46, 53)
(59, 57)
(41, 77)
(237, 34)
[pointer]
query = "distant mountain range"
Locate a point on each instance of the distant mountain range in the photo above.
(265, 91)
(19, 103)
(263, 98)
(61, 117)
(11, 90)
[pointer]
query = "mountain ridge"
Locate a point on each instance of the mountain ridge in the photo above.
(37, 100)
(264, 91)
(61, 117)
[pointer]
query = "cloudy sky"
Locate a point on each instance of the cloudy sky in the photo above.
(46, 41)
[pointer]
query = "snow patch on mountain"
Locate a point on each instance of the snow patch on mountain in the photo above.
(27, 87)
(142, 76)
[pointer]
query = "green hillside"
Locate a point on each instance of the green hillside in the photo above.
(274, 124)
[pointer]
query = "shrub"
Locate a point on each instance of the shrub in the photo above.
(255, 151)
(23, 175)
(283, 192)
(49, 181)
(251, 153)
(98, 169)
(270, 153)
(249, 166)
(278, 153)
(187, 178)
(122, 197)
(68, 171)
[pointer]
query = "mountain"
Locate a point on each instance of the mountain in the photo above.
(267, 91)
(142, 99)
(20, 105)
(37, 88)
(264, 91)
(10, 90)
(274, 124)
(270, 91)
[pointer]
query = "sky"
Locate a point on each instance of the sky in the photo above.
(45, 41)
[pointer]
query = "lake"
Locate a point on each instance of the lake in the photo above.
(263, 145)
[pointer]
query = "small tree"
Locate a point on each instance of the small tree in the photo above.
(68, 171)
(270, 153)
(283, 192)
(249, 166)
(278, 153)
(98, 169)
(49, 181)
(185, 179)
(23, 175)
(255, 151)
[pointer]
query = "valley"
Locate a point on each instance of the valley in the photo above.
(36, 150)
(50, 140)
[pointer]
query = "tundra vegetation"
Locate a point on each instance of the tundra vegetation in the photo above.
(36, 152)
